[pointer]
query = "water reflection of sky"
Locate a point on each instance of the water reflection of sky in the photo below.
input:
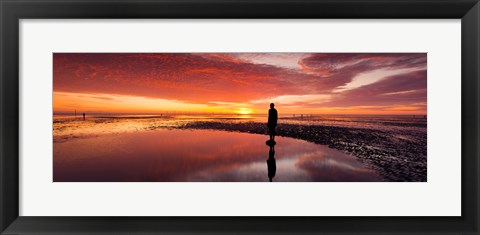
(201, 155)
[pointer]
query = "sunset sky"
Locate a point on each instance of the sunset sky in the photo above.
(241, 83)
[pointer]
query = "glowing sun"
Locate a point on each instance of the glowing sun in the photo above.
(244, 111)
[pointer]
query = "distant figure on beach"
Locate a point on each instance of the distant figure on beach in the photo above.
(272, 121)
(84, 116)
(271, 163)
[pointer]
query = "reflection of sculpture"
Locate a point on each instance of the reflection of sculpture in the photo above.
(271, 164)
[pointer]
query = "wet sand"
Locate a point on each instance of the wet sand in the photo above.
(394, 148)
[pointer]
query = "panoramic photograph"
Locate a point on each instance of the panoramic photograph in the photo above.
(239, 117)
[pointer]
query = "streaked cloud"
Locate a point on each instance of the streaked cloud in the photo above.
(296, 99)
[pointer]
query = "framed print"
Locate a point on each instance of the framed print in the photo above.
(239, 117)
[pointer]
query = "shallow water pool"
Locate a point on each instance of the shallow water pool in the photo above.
(164, 155)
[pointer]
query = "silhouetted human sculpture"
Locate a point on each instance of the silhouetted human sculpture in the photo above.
(271, 163)
(84, 116)
(272, 121)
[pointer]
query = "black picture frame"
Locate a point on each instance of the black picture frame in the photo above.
(12, 11)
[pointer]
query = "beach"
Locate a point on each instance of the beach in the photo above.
(392, 147)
